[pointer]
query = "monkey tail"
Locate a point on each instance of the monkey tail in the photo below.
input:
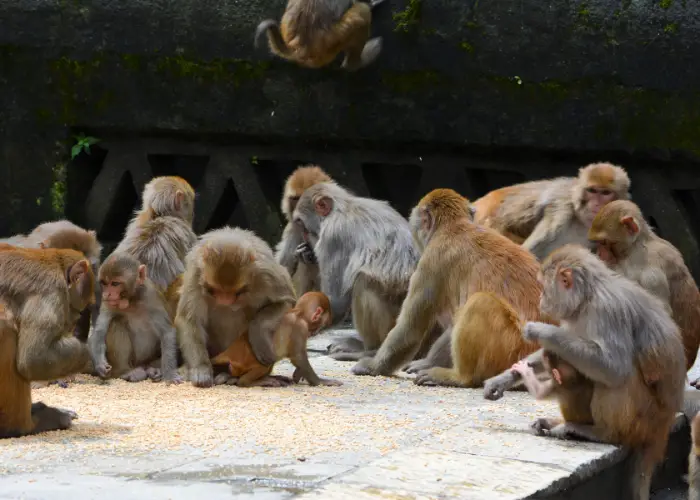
(274, 36)
(645, 459)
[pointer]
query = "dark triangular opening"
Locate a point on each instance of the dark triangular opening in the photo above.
(81, 173)
(229, 210)
(124, 203)
(190, 167)
(397, 184)
(482, 181)
(688, 201)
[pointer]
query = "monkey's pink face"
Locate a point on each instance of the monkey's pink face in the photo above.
(595, 198)
(113, 294)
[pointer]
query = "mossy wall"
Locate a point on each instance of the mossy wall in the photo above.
(594, 75)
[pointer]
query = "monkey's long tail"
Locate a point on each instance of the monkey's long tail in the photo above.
(274, 36)
(645, 460)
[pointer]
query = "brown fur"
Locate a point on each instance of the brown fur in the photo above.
(481, 280)
(640, 255)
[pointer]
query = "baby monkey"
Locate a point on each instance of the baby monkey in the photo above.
(310, 314)
(571, 388)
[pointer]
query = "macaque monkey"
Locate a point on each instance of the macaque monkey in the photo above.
(366, 256)
(232, 285)
(626, 243)
(570, 387)
(472, 280)
(545, 215)
(34, 342)
(313, 32)
(294, 251)
(63, 234)
(160, 235)
(694, 459)
(622, 339)
(135, 327)
(311, 313)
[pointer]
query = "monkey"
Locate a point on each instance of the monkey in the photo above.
(135, 326)
(312, 33)
(620, 337)
(366, 256)
(310, 314)
(544, 215)
(626, 243)
(293, 251)
(475, 282)
(66, 235)
(694, 459)
(232, 284)
(160, 234)
(34, 344)
(570, 387)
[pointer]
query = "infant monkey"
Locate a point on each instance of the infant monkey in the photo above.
(571, 388)
(310, 314)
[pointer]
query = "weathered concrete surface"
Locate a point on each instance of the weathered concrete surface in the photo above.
(371, 438)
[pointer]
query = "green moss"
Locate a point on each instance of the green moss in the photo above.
(671, 28)
(58, 189)
(407, 19)
(234, 71)
(583, 13)
(665, 4)
(412, 81)
(467, 47)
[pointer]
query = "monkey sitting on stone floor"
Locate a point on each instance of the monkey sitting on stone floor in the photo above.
(310, 314)
(313, 32)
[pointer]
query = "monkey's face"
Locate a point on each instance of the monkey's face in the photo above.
(594, 198)
(227, 296)
(116, 290)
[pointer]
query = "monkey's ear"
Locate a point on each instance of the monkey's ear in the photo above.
(316, 315)
(141, 277)
(77, 270)
(566, 277)
(630, 224)
(426, 220)
(179, 196)
(323, 206)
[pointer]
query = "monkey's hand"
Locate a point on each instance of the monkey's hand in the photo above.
(532, 331)
(330, 382)
(365, 367)
(202, 376)
(522, 367)
(297, 376)
(496, 386)
(306, 253)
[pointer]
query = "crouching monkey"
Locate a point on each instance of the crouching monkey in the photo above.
(232, 285)
(476, 280)
(35, 341)
(314, 32)
(311, 313)
(366, 256)
(135, 326)
(621, 338)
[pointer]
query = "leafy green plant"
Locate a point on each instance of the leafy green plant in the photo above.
(82, 143)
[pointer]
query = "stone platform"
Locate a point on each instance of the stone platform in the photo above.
(371, 438)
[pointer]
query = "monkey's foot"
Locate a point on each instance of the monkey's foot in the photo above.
(223, 378)
(232, 381)
(496, 386)
(346, 344)
(330, 382)
(541, 426)
(39, 385)
(136, 375)
(348, 356)
(102, 369)
(174, 379)
(417, 366)
(154, 374)
(695, 383)
(272, 381)
(201, 376)
(365, 366)
(48, 418)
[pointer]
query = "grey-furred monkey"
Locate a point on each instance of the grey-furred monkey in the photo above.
(366, 256)
(160, 235)
(293, 251)
(622, 339)
(232, 285)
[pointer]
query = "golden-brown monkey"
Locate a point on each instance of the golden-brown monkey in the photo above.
(694, 459)
(232, 285)
(313, 32)
(477, 279)
(624, 340)
(626, 243)
(544, 215)
(160, 235)
(33, 344)
(293, 252)
(135, 327)
(311, 313)
(66, 235)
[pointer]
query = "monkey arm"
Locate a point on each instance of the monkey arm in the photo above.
(654, 281)
(604, 362)
(192, 338)
(546, 231)
(496, 386)
(286, 249)
(538, 389)
(44, 352)
(332, 280)
(97, 343)
(261, 331)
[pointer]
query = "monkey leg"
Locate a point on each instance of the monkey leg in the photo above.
(303, 369)
(47, 418)
(352, 33)
(447, 377)
(346, 344)
(439, 355)
(138, 374)
(541, 425)
(569, 430)
(254, 375)
(352, 356)
(16, 395)
(261, 331)
(119, 351)
(223, 378)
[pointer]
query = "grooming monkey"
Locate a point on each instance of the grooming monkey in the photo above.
(623, 339)
(135, 327)
(477, 283)
(160, 235)
(313, 32)
(694, 459)
(293, 251)
(545, 215)
(311, 313)
(366, 256)
(626, 243)
(63, 234)
(570, 387)
(33, 341)
(232, 285)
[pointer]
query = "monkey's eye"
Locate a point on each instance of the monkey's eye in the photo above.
(242, 291)
(605, 192)
(591, 190)
(210, 290)
(294, 198)
(115, 283)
